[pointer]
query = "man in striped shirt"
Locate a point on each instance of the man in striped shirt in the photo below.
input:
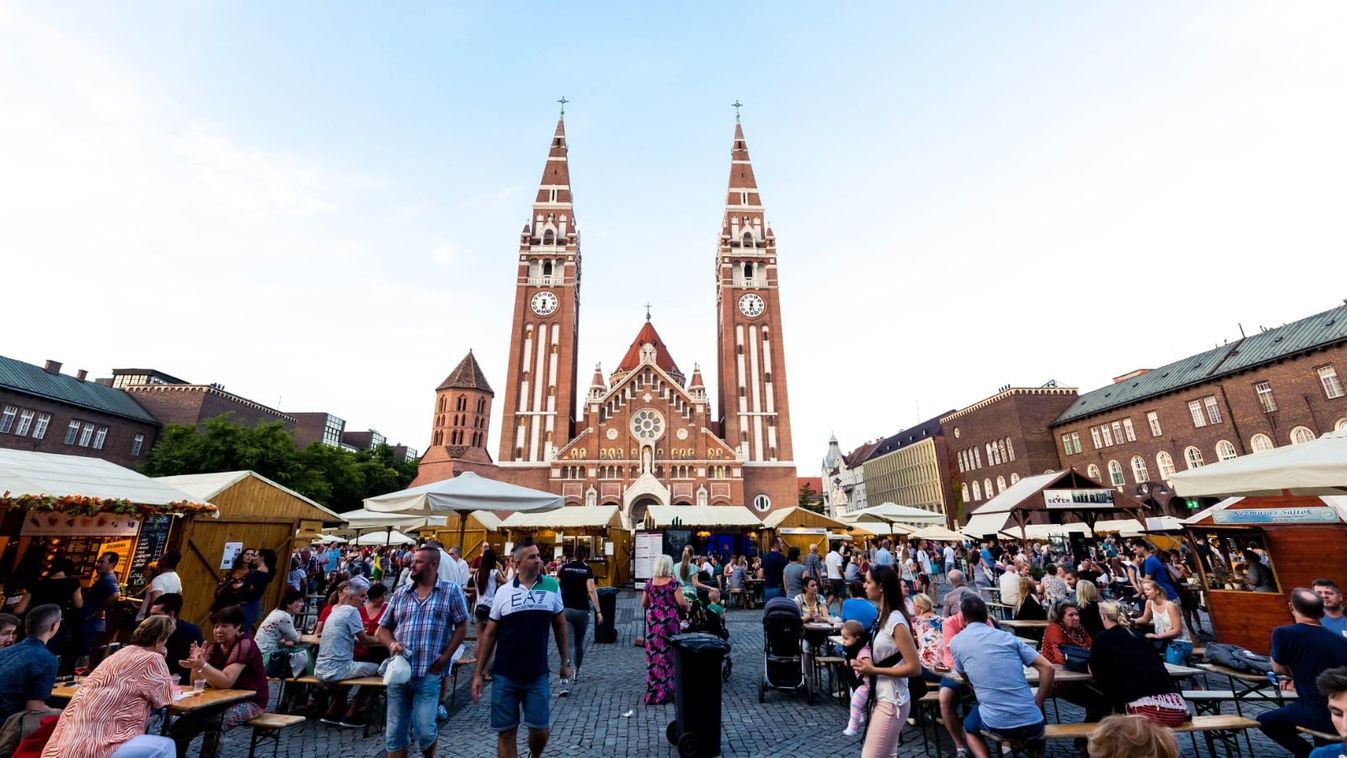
(426, 622)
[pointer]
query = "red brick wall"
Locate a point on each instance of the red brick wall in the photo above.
(116, 447)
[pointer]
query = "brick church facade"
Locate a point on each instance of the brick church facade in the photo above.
(645, 434)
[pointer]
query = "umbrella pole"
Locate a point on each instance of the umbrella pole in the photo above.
(462, 525)
(388, 536)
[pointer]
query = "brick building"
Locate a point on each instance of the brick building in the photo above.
(462, 420)
(318, 426)
(1280, 387)
(44, 410)
(647, 434)
(912, 467)
(174, 401)
(997, 441)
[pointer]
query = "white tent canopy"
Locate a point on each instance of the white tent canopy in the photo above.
(463, 494)
(329, 539)
(23, 472)
(573, 517)
(938, 532)
(383, 538)
(362, 519)
(892, 513)
(702, 515)
(1318, 467)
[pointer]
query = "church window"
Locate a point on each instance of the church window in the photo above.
(461, 404)
(739, 349)
(481, 404)
(748, 239)
(766, 334)
(743, 198)
(748, 267)
(437, 438)
(548, 239)
(767, 377)
(762, 503)
(441, 403)
(741, 391)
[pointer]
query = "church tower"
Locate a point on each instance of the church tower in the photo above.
(754, 411)
(459, 428)
(540, 389)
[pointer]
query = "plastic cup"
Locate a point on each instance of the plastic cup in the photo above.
(198, 686)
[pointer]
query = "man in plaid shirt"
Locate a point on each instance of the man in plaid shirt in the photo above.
(425, 622)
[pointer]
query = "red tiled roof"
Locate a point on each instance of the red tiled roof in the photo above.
(662, 358)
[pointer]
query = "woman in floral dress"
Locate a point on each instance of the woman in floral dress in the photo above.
(662, 600)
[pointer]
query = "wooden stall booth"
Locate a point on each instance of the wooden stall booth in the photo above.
(482, 529)
(253, 512)
(803, 528)
(559, 531)
(1052, 500)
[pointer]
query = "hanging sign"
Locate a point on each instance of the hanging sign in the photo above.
(231, 551)
(1078, 499)
(1311, 515)
(63, 525)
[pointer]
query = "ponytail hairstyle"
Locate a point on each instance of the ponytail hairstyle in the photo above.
(683, 574)
(891, 598)
(1113, 612)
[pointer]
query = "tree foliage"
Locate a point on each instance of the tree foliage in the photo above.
(809, 499)
(339, 479)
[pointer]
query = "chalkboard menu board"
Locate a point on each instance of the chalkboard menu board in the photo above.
(153, 539)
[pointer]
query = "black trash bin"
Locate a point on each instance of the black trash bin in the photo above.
(695, 730)
(607, 631)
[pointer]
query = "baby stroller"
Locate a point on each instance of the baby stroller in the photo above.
(784, 665)
(701, 620)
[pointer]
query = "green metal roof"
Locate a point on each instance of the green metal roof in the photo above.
(34, 380)
(1317, 331)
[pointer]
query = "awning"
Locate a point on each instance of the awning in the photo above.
(986, 524)
(1318, 467)
(382, 538)
(733, 516)
(1128, 527)
(570, 517)
(361, 519)
(937, 532)
(84, 486)
(776, 518)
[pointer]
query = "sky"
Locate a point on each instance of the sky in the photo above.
(318, 204)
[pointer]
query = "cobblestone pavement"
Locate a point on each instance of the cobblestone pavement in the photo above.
(605, 716)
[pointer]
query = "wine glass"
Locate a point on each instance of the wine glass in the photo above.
(82, 666)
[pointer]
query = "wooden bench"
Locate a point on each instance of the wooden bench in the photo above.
(375, 683)
(268, 726)
(453, 674)
(929, 704)
(1226, 728)
(1209, 701)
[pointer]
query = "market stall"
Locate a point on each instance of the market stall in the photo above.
(558, 532)
(710, 529)
(801, 527)
(254, 512)
(1054, 502)
(1289, 506)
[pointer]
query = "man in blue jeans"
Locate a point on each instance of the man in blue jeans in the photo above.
(521, 615)
(425, 622)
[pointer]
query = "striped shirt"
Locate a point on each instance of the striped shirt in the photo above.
(424, 626)
(112, 705)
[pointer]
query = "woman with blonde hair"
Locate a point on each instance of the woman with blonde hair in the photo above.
(1132, 737)
(1164, 614)
(1087, 602)
(1028, 608)
(108, 714)
(662, 599)
(1129, 674)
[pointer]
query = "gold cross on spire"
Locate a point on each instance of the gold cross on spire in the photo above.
(737, 105)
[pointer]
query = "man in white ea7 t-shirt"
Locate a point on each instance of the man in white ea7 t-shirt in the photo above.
(837, 586)
(165, 581)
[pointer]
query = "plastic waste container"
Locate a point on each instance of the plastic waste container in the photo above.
(698, 658)
(607, 631)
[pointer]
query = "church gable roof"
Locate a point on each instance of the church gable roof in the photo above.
(648, 335)
(467, 376)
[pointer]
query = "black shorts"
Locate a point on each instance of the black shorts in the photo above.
(839, 587)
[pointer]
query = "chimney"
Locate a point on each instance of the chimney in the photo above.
(52, 367)
(79, 375)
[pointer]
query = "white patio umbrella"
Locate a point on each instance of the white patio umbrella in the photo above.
(901, 519)
(1318, 467)
(391, 537)
(938, 532)
(463, 495)
(329, 539)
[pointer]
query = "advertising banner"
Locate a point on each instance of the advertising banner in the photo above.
(1077, 499)
(63, 525)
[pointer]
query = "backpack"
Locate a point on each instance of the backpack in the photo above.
(1237, 658)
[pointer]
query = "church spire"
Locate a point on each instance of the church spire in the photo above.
(744, 224)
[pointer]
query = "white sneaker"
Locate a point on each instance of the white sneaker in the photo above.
(849, 732)
(565, 688)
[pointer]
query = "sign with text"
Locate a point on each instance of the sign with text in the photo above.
(231, 551)
(649, 545)
(65, 525)
(1076, 499)
(1309, 515)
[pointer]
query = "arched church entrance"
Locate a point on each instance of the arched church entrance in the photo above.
(638, 509)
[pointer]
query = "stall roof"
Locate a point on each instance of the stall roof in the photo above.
(571, 516)
(1128, 527)
(23, 472)
(775, 518)
(1318, 467)
(207, 486)
(996, 516)
(1337, 502)
(702, 515)
(366, 519)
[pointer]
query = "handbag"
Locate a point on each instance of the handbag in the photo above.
(1075, 658)
(278, 665)
(1178, 652)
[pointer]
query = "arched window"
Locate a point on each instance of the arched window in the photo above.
(1165, 464)
(748, 239)
(1093, 472)
(437, 438)
(462, 404)
(977, 458)
(481, 404)
(991, 455)
(964, 491)
(1300, 435)
(1225, 450)
(1261, 442)
(548, 239)
(1010, 449)
(1014, 479)
(1139, 472)
(977, 490)
(1115, 473)
(441, 410)
(1341, 425)
(987, 487)
(1000, 484)
(1192, 456)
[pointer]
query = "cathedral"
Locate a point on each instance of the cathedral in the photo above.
(645, 434)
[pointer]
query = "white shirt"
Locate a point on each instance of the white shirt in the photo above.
(889, 688)
(447, 571)
(166, 583)
(949, 556)
(1010, 587)
(834, 563)
(459, 572)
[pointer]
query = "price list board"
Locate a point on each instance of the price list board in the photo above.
(82, 551)
(149, 547)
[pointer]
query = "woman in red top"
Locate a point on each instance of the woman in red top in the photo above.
(232, 661)
(1065, 629)
(370, 612)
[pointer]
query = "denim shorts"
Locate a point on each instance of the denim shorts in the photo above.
(1027, 733)
(411, 714)
(508, 695)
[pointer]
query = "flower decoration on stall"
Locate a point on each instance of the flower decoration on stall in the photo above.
(83, 505)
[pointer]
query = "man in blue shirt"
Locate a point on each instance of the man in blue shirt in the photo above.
(1332, 684)
(992, 662)
(1154, 569)
(1302, 651)
(27, 668)
(773, 568)
(882, 556)
(1334, 619)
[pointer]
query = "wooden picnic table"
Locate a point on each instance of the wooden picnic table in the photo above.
(188, 703)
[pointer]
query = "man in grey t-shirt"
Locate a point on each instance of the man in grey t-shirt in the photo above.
(793, 575)
(336, 653)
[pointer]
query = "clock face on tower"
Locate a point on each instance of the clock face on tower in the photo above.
(544, 303)
(751, 305)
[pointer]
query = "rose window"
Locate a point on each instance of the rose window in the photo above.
(647, 425)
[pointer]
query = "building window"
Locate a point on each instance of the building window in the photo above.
(1300, 435)
(1341, 425)
(1139, 472)
(1010, 449)
(86, 435)
(25, 422)
(1128, 430)
(762, 503)
(1075, 441)
(1195, 409)
(1213, 410)
(1000, 484)
(1225, 451)
(1117, 432)
(1153, 419)
(1265, 397)
(1066, 444)
(1192, 456)
(963, 489)
(137, 443)
(7, 418)
(40, 430)
(1261, 442)
(1165, 464)
(1115, 474)
(100, 437)
(1329, 378)
(72, 432)
(977, 458)
(1093, 472)
(977, 491)
(1014, 479)
(1094, 437)
(987, 487)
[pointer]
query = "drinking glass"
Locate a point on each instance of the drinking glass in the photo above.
(82, 666)
(198, 685)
